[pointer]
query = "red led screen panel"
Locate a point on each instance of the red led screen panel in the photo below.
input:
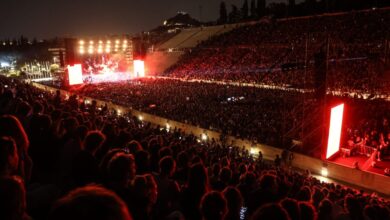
(336, 122)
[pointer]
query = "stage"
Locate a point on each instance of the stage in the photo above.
(364, 163)
(107, 77)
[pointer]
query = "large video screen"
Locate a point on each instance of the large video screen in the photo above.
(336, 122)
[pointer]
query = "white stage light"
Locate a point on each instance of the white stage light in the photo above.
(254, 151)
(75, 74)
(324, 172)
(139, 68)
(336, 122)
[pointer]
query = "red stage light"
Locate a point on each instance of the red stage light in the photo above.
(75, 74)
(139, 68)
(336, 122)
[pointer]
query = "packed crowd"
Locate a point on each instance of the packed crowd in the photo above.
(63, 159)
(261, 115)
(356, 44)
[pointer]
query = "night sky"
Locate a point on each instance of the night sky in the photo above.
(77, 18)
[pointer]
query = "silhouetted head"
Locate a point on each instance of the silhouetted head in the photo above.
(9, 158)
(11, 126)
(308, 211)
(12, 198)
(270, 211)
(93, 141)
(234, 201)
(197, 178)
(292, 208)
(90, 202)
(167, 166)
(213, 206)
(121, 168)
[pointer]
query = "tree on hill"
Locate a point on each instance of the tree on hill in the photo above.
(245, 10)
(310, 7)
(261, 6)
(278, 9)
(291, 8)
(234, 15)
(182, 19)
(253, 9)
(222, 13)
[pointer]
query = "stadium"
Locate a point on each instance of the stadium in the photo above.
(259, 115)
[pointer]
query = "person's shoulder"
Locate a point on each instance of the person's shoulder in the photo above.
(342, 216)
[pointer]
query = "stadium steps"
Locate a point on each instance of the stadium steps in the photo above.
(189, 38)
(162, 58)
(182, 43)
(178, 39)
(204, 34)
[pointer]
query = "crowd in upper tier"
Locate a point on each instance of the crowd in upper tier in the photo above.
(64, 159)
(276, 52)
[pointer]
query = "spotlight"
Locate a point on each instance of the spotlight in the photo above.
(324, 172)
(253, 151)
(204, 137)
